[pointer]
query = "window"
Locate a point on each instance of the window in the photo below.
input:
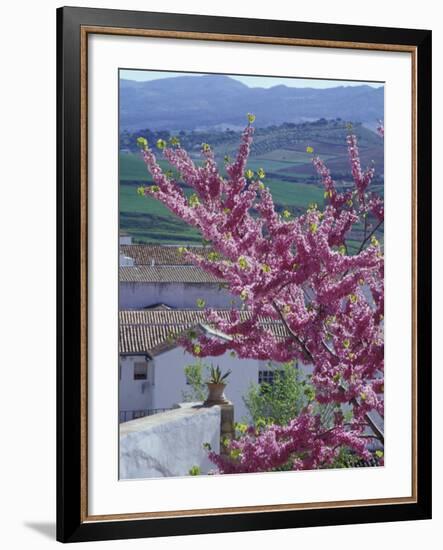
(140, 371)
(266, 376)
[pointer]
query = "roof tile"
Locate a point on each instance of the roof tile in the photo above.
(150, 331)
(154, 254)
(166, 274)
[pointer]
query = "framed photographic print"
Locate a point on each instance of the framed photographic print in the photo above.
(244, 221)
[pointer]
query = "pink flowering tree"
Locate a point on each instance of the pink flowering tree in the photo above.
(296, 273)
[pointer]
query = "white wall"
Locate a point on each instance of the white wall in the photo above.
(126, 260)
(125, 239)
(134, 394)
(178, 295)
(28, 110)
(169, 444)
(170, 379)
(166, 384)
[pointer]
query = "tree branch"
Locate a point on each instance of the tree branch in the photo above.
(294, 336)
(377, 431)
(369, 236)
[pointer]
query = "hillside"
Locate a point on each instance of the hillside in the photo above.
(218, 102)
(279, 150)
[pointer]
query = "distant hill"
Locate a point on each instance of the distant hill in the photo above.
(220, 102)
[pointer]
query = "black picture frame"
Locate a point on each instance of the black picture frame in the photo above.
(72, 525)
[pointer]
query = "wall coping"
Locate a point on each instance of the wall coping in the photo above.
(183, 411)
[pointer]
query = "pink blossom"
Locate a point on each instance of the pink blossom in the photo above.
(297, 275)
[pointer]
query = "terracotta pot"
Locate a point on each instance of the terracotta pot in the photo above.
(216, 394)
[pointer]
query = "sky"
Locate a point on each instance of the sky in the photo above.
(251, 81)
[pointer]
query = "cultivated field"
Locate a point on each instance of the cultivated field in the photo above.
(289, 174)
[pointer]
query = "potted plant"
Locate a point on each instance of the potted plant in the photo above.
(216, 387)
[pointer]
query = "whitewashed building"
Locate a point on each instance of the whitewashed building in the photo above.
(176, 286)
(158, 293)
(124, 238)
(151, 370)
(152, 274)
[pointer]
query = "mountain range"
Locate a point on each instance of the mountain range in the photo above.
(220, 102)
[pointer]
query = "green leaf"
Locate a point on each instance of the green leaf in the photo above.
(241, 427)
(244, 294)
(142, 142)
(243, 263)
(235, 453)
(227, 373)
(313, 227)
(261, 173)
(194, 200)
(196, 349)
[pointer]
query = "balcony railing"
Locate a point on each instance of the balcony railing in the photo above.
(125, 416)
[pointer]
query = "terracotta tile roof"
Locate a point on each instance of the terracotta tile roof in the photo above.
(154, 254)
(166, 274)
(150, 331)
(148, 339)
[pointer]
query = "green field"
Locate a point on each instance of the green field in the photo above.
(132, 167)
(288, 157)
(281, 152)
(147, 220)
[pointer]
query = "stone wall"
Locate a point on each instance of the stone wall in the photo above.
(171, 443)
